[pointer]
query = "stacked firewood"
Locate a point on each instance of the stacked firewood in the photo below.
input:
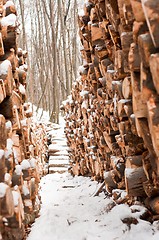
(22, 142)
(111, 116)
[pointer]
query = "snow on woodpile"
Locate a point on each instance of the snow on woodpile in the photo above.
(4, 67)
(25, 164)
(9, 20)
(3, 188)
(8, 4)
(116, 99)
(22, 138)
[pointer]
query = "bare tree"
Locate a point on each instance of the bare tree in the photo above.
(49, 35)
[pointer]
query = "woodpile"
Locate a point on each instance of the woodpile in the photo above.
(111, 116)
(22, 141)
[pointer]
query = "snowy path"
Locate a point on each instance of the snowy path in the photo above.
(58, 150)
(70, 212)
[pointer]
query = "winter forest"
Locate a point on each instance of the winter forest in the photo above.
(48, 31)
(79, 128)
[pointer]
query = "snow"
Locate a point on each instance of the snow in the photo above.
(8, 125)
(3, 188)
(9, 143)
(18, 169)
(15, 198)
(4, 67)
(81, 69)
(124, 101)
(24, 122)
(22, 89)
(55, 148)
(8, 178)
(81, 13)
(20, 50)
(28, 203)
(9, 20)
(39, 115)
(83, 93)
(8, 4)
(25, 164)
(1, 153)
(68, 100)
(33, 162)
(25, 189)
(24, 67)
(15, 153)
(84, 104)
(70, 211)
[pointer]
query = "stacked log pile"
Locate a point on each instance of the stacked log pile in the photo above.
(112, 124)
(22, 142)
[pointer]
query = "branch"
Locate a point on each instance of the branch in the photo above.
(100, 189)
(67, 10)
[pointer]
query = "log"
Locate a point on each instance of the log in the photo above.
(11, 56)
(125, 12)
(15, 133)
(10, 10)
(2, 91)
(109, 180)
(151, 10)
(124, 108)
(3, 133)
(114, 36)
(146, 48)
(1, 46)
(138, 29)
(119, 64)
(22, 76)
(6, 201)
(134, 178)
(134, 161)
(2, 165)
(96, 34)
(139, 104)
(127, 88)
(154, 205)
(154, 61)
(126, 41)
(10, 38)
(117, 118)
(143, 130)
(153, 122)
(134, 58)
(112, 13)
(6, 76)
(16, 220)
(138, 10)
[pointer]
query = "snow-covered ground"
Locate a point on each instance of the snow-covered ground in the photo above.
(70, 211)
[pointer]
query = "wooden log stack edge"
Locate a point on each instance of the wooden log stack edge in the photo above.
(112, 115)
(22, 141)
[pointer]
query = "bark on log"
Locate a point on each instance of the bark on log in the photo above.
(114, 105)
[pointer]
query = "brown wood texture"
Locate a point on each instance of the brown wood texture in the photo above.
(114, 106)
(21, 140)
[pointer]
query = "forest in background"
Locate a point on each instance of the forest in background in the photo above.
(48, 31)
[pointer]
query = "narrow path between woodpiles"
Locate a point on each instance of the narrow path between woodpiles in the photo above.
(71, 211)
